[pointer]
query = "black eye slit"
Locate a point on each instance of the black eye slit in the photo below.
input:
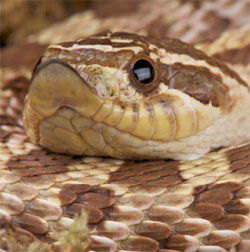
(143, 71)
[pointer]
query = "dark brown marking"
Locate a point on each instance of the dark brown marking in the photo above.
(93, 41)
(218, 196)
(149, 172)
(243, 193)
(29, 172)
(235, 152)
(179, 47)
(96, 199)
(66, 197)
(154, 230)
(76, 188)
(94, 214)
(128, 182)
(198, 82)
(227, 187)
(148, 166)
(231, 222)
(155, 174)
(124, 174)
(140, 243)
(166, 181)
(237, 207)
(31, 223)
(239, 159)
(180, 243)
(235, 56)
(206, 211)
(90, 56)
(165, 215)
(120, 214)
(191, 228)
(221, 240)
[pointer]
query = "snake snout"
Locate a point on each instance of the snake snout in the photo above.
(56, 84)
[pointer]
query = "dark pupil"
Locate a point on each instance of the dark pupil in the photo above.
(143, 71)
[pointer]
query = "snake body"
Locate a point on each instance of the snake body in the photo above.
(87, 98)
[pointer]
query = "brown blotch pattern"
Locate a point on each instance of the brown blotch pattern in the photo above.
(198, 82)
(143, 206)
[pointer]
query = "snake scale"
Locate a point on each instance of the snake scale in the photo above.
(132, 97)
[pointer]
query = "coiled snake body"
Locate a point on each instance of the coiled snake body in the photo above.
(130, 97)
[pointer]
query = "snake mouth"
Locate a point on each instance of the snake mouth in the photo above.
(56, 84)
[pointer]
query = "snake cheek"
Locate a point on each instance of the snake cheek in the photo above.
(55, 84)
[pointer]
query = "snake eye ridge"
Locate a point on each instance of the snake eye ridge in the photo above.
(143, 71)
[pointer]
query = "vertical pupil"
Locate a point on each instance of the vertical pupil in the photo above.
(143, 71)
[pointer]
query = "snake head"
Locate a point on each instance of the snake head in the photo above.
(127, 96)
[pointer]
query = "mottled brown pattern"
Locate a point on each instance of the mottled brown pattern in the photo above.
(170, 45)
(142, 206)
(199, 83)
(149, 198)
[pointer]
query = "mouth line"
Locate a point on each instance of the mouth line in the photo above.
(69, 132)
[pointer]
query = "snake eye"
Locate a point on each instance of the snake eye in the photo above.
(143, 71)
(144, 74)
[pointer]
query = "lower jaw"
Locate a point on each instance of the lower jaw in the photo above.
(69, 132)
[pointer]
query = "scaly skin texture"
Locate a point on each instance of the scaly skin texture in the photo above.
(84, 99)
(164, 205)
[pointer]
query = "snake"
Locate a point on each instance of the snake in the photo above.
(153, 136)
